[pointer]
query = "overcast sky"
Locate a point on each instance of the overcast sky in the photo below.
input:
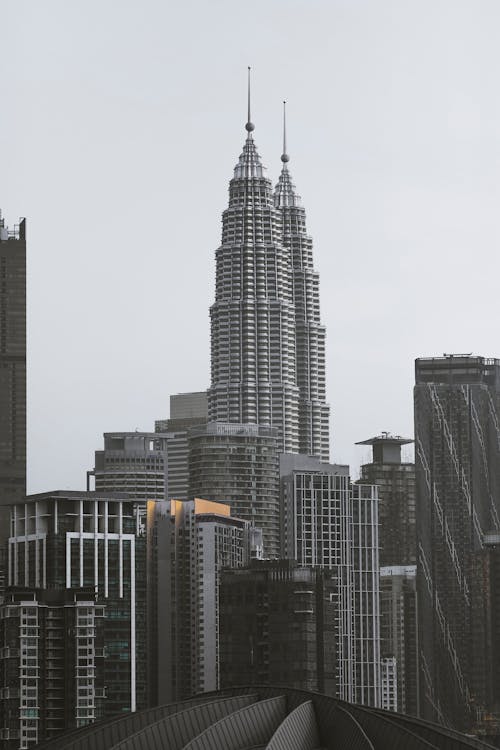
(120, 125)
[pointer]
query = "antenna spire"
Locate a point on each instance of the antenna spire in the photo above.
(249, 126)
(284, 155)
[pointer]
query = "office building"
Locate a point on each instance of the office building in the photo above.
(86, 552)
(239, 464)
(189, 543)
(265, 369)
(398, 636)
(332, 523)
(396, 498)
(12, 369)
(276, 622)
(135, 463)
(457, 442)
(187, 410)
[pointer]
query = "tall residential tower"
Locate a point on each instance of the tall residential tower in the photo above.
(12, 366)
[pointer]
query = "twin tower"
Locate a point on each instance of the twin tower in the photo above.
(267, 341)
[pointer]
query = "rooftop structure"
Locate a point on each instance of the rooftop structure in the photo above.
(386, 447)
(268, 717)
(135, 463)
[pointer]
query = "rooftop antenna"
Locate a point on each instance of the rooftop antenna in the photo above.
(284, 155)
(249, 126)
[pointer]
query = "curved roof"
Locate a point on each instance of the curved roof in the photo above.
(262, 718)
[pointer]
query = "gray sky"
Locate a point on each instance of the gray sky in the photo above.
(120, 126)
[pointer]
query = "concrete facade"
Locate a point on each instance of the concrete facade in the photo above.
(189, 543)
(239, 465)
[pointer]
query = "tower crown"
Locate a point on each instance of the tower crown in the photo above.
(249, 164)
(284, 194)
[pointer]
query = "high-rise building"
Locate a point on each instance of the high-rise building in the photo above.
(187, 410)
(332, 523)
(239, 465)
(366, 607)
(398, 636)
(12, 369)
(310, 335)
(267, 342)
(51, 663)
(135, 463)
(389, 683)
(189, 542)
(277, 626)
(457, 441)
(86, 551)
(396, 498)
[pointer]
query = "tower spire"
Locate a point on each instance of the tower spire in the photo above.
(249, 126)
(284, 155)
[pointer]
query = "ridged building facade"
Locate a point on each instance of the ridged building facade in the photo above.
(267, 342)
(457, 456)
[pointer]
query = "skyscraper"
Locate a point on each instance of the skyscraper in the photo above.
(189, 543)
(396, 498)
(277, 626)
(310, 335)
(398, 633)
(85, 551)
(12, 368)
(267, 343)
(329, 522)
(457, 440)
(239, 465)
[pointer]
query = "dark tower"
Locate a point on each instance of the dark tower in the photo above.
(457, 457)
(396, 498)
(12, 374)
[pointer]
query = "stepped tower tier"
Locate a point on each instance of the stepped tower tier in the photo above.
(313, 411)
(253, 336)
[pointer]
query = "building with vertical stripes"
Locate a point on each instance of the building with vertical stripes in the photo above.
(329, 522)
(84, 551)
(457, 457)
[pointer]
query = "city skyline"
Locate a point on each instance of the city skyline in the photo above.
(401, 175)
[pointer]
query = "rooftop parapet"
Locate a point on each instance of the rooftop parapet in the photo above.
(17, 233)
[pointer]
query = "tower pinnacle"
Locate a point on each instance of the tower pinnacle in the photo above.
(249, 126)
(284, 155)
